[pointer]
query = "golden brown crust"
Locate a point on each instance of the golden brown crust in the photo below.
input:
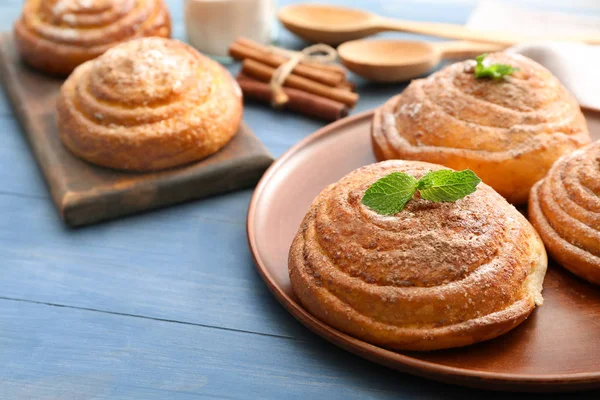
(508, 131)
(564, 207)
(56, 36)
(148, 104)
(435, 275)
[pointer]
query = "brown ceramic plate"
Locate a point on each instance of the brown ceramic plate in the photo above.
(557, 348)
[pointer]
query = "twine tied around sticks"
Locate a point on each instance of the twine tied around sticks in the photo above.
(318, 53)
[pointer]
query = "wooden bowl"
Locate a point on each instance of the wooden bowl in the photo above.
(557, 348)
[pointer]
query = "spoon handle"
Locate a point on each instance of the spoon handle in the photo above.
(461, 32)
(462, 49)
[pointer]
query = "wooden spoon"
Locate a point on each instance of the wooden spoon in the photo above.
(334, 25)
(402, 60)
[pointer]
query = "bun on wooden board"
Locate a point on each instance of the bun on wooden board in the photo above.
(148, 104)
(433, 276)
(55, 36)
(508, 131)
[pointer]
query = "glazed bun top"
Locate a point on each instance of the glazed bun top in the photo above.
(455, 109)
(155, 81)
(509, 131)
(55, 36)
(149, 72)
(148, 104)
(425, 245)
(93, 22)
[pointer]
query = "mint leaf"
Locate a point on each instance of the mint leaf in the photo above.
(494, 71)
(447, 185)
(429, 179)
(389, 195)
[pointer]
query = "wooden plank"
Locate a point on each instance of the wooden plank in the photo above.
(84, 193)
(63, 353)
(10, 134)
(19, 173)
(189, 263)
(5, 109)
(9, 12)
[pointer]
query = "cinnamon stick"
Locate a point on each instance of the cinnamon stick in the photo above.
(346, 86)
(338, 69)
(301, 102)
(327, 67)
(241, 52)
(264, 73)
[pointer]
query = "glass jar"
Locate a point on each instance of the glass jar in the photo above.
(212, 25)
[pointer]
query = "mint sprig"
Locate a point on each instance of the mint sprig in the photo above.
(494, 71)
(389, 195)
(447, 185)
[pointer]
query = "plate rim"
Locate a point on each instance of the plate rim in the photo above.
(379, 355)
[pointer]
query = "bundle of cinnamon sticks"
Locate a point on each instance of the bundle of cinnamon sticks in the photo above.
(313, 89)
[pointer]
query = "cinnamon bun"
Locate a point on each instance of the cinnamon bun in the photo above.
(55, 36)
(148, 104)
(433, 276)
(508, 131)
(564, 207)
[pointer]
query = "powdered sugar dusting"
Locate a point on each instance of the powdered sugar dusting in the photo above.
(70, 19)
(85, 3)
(150, 61)
(69, 34)
(410, 110)
(469, 66)
(145, 69)
(62, 7)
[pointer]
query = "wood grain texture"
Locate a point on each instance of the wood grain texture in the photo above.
(56, 353)
(188, 265)
(84, 193)
(94, 355)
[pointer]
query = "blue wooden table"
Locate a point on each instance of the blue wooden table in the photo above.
(167, 305)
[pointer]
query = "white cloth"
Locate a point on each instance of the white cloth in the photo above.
(576, 65)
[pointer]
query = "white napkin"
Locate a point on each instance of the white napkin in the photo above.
(576, 65)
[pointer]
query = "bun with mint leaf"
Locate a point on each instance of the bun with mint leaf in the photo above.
(413, 256)
(502, 115)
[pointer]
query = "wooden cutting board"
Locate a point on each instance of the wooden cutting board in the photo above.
(84, 193)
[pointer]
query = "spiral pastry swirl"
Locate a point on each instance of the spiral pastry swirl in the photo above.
(433, 276)
(56, 36)
(148, 104)
(564, 207)
(508, 131)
